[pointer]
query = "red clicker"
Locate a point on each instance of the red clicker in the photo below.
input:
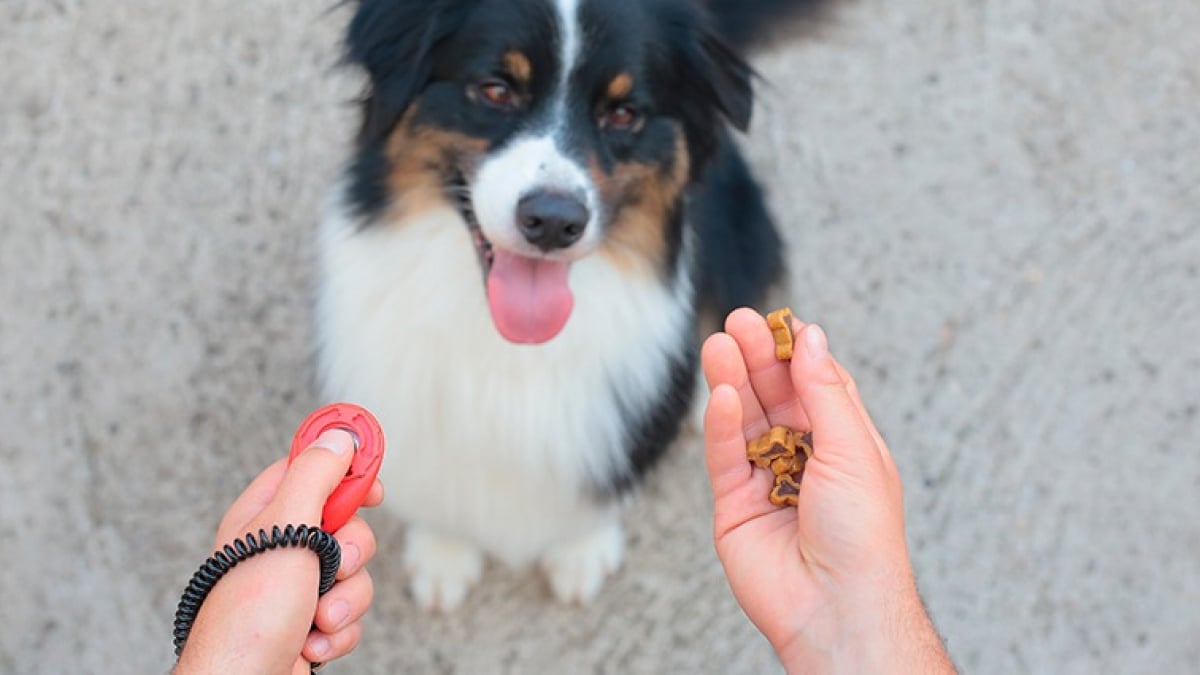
(368, 457)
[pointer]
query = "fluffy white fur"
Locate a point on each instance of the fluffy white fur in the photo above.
(491, 445)
(572, 33)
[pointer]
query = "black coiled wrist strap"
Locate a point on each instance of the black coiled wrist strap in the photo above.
(313, 538)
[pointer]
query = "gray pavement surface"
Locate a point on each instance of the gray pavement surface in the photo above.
(993, 207)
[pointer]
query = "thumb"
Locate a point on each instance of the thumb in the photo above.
(312, 477)
(840, 435)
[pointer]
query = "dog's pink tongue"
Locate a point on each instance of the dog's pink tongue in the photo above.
(529, 297)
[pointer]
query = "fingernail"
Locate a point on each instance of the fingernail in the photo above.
(339, 611)
(319, 646)
(817, 343)
(350, 555)
(336, 441)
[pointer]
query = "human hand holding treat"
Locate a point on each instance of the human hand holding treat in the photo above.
(827, 581)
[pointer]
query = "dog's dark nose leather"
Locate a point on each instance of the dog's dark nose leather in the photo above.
(551, 220)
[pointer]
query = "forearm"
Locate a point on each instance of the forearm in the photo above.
(886, 630)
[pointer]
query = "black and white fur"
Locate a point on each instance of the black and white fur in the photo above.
(525, 452)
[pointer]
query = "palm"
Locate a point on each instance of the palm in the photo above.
(756, 539)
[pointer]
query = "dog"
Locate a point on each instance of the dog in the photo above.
(544, 199)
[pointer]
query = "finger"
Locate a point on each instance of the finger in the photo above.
(345, 603)
(724, 442)
(313, 475)
(852, 389)
(885, 454)
(739, 490)
(358, 546)
(769, 377)
(253, 499)
(840, 436)
(723, 364)
(374, 495)
(323, 648)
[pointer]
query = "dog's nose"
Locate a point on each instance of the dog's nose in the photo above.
(551, 220)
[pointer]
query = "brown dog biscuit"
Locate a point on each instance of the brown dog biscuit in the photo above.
(785, 453)
(796, 467)
(804, 444)
(786, 491)
(780, 323)
(776, 443)
(782, 465)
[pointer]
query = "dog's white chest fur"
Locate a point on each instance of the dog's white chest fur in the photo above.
(495, 443)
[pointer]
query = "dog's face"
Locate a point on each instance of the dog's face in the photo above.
(559, 129)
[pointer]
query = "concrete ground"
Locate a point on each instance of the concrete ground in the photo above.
(993, 207)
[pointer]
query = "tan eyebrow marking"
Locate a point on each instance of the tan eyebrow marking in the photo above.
(518, 66)
(621, 86)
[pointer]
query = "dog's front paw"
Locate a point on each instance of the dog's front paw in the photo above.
(577, 569)
(442, 570)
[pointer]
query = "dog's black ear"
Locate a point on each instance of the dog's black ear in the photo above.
(735, 27)
(746, 24)
(393, 40)
(727, 79)
(715, 84)
(712, 84)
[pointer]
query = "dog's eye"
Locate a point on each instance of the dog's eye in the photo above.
(497, 93)
(620, 117)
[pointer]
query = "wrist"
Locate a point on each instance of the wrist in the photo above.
(248, 622)
(870, 626)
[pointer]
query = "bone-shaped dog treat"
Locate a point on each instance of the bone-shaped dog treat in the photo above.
(785, 453)
(780, 323)
(786, 491)
(804, 443)
(784, 465)
(775, 444)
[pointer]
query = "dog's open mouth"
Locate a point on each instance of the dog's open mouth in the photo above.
(466, 208)
(529, 297)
